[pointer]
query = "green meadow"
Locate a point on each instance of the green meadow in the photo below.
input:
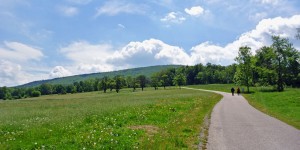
(284, 105)
(162, 119)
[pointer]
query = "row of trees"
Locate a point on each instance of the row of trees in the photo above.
(277, 65)
(198, 74)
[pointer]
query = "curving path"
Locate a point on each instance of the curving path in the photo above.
(236, 125)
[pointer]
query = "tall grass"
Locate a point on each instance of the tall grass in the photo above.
(168, 119)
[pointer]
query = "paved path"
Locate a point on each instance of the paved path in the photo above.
(236, 125)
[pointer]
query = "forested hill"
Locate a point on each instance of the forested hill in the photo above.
(147, 71)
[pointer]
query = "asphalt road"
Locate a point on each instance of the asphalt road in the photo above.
(236, 125)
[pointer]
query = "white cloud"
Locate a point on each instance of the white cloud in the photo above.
(121, 26)
(194, 11)
(115, 7)
(88, 57)
(258, 16)
(272, 2)
(16, 51)
(149, 52)
(12, 74)
(256, 38)
(173, 17)
(68, 11)
(59, 71)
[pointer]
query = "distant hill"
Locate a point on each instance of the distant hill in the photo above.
(147, 71)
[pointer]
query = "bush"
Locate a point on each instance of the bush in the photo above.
(36, 93)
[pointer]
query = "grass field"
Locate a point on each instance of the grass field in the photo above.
(282, 105)
(163, 119)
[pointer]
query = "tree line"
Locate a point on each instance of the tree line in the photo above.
(276, 65)
(198, 74)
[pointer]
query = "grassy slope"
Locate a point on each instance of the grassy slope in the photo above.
(282, 105)
(147, 71)
(163, 119)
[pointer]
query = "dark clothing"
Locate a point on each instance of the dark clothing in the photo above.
(232, 91)
(238, 91)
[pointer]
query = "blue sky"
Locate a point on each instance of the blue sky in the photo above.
(54, 38)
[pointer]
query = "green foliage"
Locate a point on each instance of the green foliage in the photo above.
(147, 71)
(179, 80)
(245, 70)
(161, 119)
(36, 94)
(142, 80)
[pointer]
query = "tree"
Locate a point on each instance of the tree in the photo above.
(155, 81)
(179, 80)
(46, 89)
(35, 93)
(5, 93)
(118, 82)
(142, 80)
(244, 60)
(265, 66)
(104, 84)
(164, 80)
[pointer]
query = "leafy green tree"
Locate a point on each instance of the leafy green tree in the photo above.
(179, 80)
(244, 60)
(35, 93)
(142, 80)
(286, 61)
(155, 82)
(118, 81)
(265, 57)
(60, 89)
(164, 80)
(111, 84)
(5, 93)
(104, 84)
(46, 89)
(71, 89)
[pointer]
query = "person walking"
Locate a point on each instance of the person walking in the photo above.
(238, 91)
(232, 91)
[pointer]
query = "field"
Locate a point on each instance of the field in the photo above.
(162, 119)
(282, 105)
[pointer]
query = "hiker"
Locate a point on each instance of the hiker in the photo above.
(238, 91)
(232, 91)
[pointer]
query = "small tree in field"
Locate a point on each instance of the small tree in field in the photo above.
(244, 60)
(179, 80)
(142, 79)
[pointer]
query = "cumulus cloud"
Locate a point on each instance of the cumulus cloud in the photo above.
(195, 11)
(16, 51)
(149, 52)
(59, 71)
(256, 38)
(12, 74)
(88, 57)
(115, 7)
(173, 17)
(68, 11)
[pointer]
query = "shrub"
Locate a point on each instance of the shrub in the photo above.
(36, 93)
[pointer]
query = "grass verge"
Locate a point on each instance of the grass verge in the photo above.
(163, 119)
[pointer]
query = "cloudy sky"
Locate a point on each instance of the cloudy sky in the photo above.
(54, 38)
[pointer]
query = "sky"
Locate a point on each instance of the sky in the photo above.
(45, 39)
